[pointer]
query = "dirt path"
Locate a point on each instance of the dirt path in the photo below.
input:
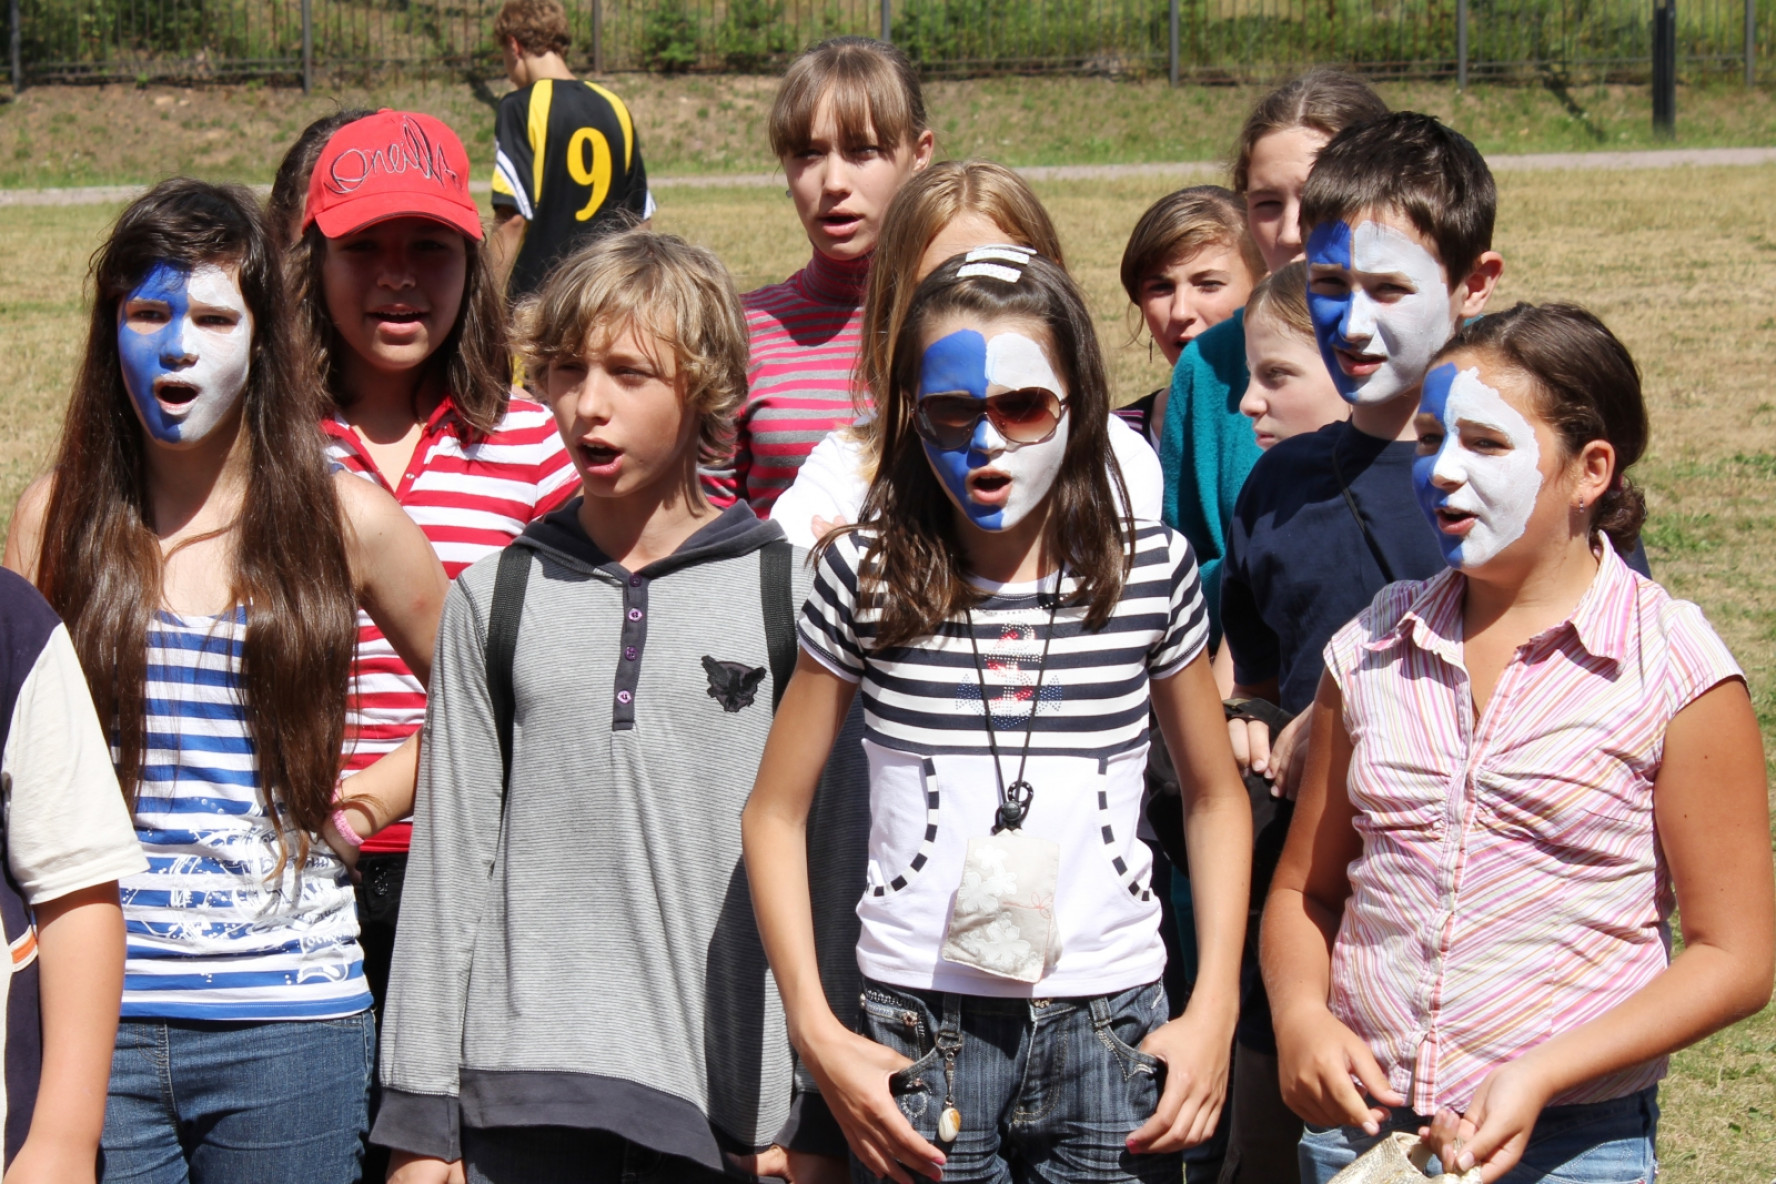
(1543, 162)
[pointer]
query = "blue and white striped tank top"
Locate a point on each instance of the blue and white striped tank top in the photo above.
(209, 935)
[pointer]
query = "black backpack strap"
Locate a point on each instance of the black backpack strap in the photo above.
(502, 645)
(779, 609)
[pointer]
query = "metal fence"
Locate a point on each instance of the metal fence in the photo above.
(1209, 40)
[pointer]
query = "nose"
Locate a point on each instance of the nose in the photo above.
(1251, 404)
(987, 440)
(592, 404)
(835, 174)
(1183, 310)
(1448, 473)
(1289, 232)
(1359, 317)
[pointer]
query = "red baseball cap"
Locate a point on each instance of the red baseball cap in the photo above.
(394, 164)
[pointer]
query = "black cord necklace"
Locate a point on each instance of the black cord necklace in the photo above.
(1014, 801)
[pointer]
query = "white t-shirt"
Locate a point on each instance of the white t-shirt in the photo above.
(932, 784)
(830, 484)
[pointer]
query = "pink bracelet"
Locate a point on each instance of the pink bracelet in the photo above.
(342, 824)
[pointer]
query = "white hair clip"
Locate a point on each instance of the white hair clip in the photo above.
(1010, 275)
(1004, 252)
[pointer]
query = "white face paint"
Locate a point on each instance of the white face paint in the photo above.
(997, 484)
(1380, 306)
(185, 342)
(1479, 486)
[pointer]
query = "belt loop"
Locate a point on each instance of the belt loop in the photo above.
(949, 1031)
(1100, 1012)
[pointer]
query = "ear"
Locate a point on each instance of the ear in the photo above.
(1595, 467)
(1474, 291)
(924, 148)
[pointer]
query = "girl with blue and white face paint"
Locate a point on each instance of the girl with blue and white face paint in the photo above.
(1479, 465)
(184, 343)
(1381, 306)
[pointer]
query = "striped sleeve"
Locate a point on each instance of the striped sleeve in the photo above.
(512, 157)
(1698, 660)
(828, 626)
(1187, 618)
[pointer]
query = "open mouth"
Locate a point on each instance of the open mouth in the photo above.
(839, 221)
(398, 317)
(599, 456)
(989, 487)
(175, 394)
(1453, 521)
(1356, 364)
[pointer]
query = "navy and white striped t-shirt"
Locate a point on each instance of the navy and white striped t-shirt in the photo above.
(932, 783)
(209, 935)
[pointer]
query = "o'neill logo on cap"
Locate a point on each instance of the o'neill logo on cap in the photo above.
(412, 152)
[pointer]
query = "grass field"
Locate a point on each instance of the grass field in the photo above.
(98, 135)
(1681, 263)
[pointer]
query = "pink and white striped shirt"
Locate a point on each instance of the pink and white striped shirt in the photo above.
(1510, 886)
(805, 334)
(471, 498)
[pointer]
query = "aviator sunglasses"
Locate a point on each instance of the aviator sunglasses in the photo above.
(1028, 416)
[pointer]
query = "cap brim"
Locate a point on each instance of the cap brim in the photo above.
(352, 216)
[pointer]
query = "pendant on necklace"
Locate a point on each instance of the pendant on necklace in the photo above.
(949, 1125)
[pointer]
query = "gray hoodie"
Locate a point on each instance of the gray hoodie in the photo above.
(596, 964)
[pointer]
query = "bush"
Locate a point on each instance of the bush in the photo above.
(669, 38)
(754, 37)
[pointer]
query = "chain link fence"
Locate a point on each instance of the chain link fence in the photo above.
(1205, 40)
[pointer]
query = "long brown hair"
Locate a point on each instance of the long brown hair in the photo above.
(1324, 100)
(101, 564)
(872, 84)
(913, 566)
(472, 361)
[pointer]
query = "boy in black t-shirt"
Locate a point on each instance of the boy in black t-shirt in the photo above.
(567, 165)
(1397, 216)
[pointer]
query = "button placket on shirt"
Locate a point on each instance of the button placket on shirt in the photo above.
(630, 645)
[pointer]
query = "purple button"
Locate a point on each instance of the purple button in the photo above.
(624, 696)
(635, 614)
(629, 652)
(635, 581)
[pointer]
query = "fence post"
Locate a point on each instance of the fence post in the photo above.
(308, 46)
(18, 65)
(1174, 45)
(1752, 43)
(1461, 44)
(1665, 68)
(887, 20)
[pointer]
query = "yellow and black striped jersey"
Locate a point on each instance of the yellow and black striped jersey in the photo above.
(566, 160)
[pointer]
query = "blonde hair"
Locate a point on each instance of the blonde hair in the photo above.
(927, 203)
(1283, 295)
(1179, 225)
(540, 26)
(679, 293)
(873, 87)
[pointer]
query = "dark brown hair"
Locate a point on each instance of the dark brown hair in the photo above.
(1324, 100)
(540, 26)
(1179, 225)
(289, 189)
(472, 361)
(1413, 164)
(101, 563)
(1588, 387)
(665, 288)
(913, 568)
(872, 85)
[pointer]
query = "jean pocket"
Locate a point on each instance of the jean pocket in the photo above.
(902, 1022)
(1133, 1016)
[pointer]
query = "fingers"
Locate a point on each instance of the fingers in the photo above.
(1288, 760)
(1236, 736)
(1258, 743)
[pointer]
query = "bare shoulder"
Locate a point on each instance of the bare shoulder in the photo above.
(24, 538)
(364, 505)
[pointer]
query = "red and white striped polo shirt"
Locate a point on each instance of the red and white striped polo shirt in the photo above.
(470, 499)
(804, 337)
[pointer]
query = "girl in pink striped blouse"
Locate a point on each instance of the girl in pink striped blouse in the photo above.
(849, 126)
(1517, 769)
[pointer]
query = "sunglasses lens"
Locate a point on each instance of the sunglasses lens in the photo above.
(1027, 416)
(949, 419)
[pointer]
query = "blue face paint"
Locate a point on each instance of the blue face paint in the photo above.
(958, 364)
(196, 363)
(1434, 401)
(1330, 246)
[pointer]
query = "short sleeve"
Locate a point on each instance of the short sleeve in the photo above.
(67, 827)
(828, 627)
(1697, 660)
(1187, 616)
(513, 158)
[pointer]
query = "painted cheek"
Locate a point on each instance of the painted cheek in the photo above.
(1329, 246)
(144, 357)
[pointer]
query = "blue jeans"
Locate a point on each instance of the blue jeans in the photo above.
(1592, 1143)
(196, 1102)
(1048, 1089)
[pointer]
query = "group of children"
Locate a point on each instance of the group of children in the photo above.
(567, 679)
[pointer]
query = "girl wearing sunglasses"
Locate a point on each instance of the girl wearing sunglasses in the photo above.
(1008, 628)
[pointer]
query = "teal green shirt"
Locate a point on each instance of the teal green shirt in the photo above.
(1206, 449)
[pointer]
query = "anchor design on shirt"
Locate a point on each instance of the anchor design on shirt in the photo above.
(1010, 661)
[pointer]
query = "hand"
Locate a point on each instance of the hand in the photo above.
(54, 1161)
(807, 1168)
(1288, 758)
(348, 854)
(1195, 1052)
(1317, 1057)
(853, 1074)
(406, 1168)
(1497, 1126)
(772, 1163)
(825, 526)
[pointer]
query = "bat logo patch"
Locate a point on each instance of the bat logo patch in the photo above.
(732, 684)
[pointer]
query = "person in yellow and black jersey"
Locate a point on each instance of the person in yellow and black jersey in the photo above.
(567, 165)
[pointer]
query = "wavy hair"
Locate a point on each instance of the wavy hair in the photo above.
(913, 571)
(101, 564)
